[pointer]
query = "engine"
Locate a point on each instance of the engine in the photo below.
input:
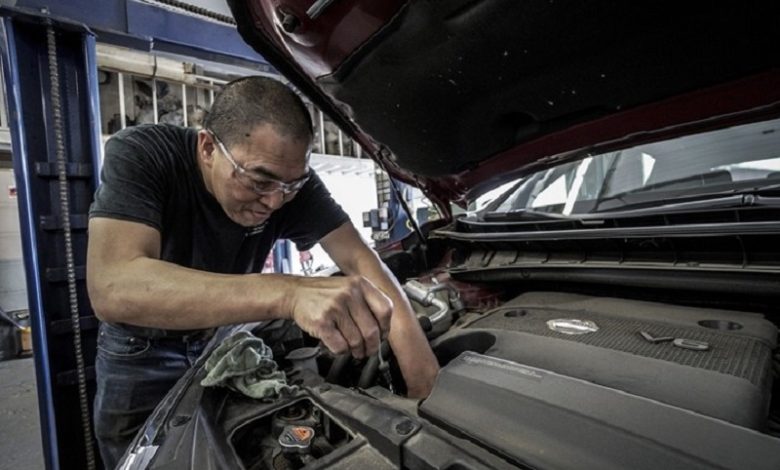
(543, 375)
(714, 362)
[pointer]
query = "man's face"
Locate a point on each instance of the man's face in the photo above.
(263, 156)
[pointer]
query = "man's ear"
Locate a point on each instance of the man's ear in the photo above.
(206, 147)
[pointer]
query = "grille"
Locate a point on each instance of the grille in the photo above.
(730, 354)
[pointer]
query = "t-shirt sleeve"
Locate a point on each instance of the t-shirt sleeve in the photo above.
(311, 215)
(132, 184)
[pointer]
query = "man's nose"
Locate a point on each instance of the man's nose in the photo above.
(273, 200)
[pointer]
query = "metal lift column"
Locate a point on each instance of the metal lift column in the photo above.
(51, 82)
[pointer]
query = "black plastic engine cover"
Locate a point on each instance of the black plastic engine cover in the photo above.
(730, 380)
(541, 419)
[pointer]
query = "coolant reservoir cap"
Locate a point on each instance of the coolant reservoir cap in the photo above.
(296, 438)
(572, 326)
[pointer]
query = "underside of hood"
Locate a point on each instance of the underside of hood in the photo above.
(459, 95)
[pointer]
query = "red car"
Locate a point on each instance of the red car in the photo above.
(614, 305)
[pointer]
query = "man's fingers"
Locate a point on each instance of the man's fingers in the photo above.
(380, 305)
(351, 333)
(347, 314)
(366, 323)
(334, 340)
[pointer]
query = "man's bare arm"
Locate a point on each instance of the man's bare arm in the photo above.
(411, 348)
(128, 283)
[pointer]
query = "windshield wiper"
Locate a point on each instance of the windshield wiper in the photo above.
(748, 197)
(713, 202)
(669, 206)
(522, 215)
(719, 199)
(678, 198)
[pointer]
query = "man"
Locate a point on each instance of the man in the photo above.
(181, 224)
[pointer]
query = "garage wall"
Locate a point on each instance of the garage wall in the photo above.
(352, 184)
(13, 289)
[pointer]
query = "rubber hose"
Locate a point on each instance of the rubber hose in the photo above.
(337, 368)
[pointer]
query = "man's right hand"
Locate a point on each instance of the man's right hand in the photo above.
(349, 314)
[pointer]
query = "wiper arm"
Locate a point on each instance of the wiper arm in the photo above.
(522, 215)
(723, 202)
(701, 198)
(692, 203)
(714, 202)
(704, 201)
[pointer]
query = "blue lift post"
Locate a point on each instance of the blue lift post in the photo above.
(26, 60)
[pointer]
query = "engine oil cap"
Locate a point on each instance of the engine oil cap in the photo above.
(572, 326)
(296, 438)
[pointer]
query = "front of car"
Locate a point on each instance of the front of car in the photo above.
(612, 306)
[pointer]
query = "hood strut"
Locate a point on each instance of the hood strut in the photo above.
(408, 211)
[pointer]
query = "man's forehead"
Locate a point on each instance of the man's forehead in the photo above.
(269, 152)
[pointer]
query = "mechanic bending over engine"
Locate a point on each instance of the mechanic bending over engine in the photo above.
(180, 228)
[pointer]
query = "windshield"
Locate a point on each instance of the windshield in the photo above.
(727, 159)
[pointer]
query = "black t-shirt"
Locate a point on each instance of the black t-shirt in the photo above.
(150, 175)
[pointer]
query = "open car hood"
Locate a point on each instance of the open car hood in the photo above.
(458, 96)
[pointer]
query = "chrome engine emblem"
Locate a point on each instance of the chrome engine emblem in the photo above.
(572, 326)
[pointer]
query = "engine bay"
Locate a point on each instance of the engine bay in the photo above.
(664, 381)
(530, 378)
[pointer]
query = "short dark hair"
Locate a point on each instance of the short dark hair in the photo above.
(247, 102)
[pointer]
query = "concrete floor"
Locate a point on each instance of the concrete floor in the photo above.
(20, 435)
